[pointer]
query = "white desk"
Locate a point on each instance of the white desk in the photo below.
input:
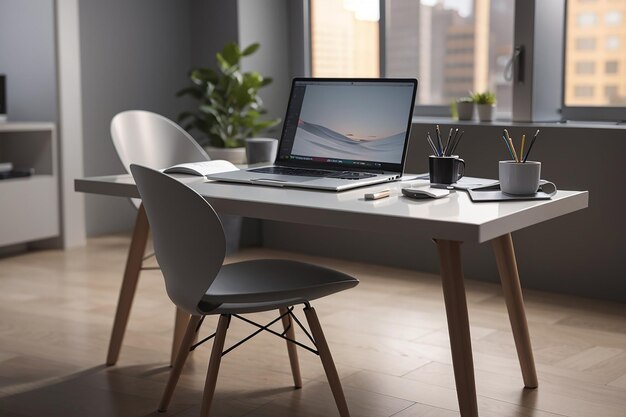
(449, 222)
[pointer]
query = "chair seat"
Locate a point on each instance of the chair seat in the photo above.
(267, 284)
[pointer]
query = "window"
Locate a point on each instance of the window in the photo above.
(585, 44)
(456, 46)
(613, 18)
(587, 19)
(611, 67)
(584, 91)
(612, 43)
(610, 92)
(585, 67)
(452, 48)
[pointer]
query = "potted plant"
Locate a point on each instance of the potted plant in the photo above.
(229, 107)
(465, 108)
(485, 103)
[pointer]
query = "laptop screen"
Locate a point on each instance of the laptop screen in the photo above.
(360, 124)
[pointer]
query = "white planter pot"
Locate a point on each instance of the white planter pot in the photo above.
(485, 112)
(465, 110)
(234, 155)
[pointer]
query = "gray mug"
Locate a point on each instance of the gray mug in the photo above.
(261, 150)
(519, 178)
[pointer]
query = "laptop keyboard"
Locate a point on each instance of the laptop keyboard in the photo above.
(346, 175)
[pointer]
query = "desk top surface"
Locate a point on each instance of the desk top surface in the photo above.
(454, 217)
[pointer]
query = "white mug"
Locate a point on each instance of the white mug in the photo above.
(519, 178)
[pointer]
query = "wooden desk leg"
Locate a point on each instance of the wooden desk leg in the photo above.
(458, 325)
(129, 284)
(507, 267)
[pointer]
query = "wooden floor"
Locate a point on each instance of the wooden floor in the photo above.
(388, 337)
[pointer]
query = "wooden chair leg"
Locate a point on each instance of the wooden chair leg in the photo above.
(183, 352)
(129, 285)
(214, 364)
(458, 325)
(509, 276)
(180, 324)
(292, 349)
(327, 361)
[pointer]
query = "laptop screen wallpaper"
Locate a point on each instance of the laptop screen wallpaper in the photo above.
(359, 122)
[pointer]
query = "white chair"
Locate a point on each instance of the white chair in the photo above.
(149, 139)
(190, 246)
(152, 140)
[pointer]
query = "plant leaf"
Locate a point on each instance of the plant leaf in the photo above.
(231, 54)
(251, 49)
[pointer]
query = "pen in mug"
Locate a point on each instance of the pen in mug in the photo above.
(450, 144)
(439, 145)
(532, 142)
(445, 148)
(512, 146)
(521, 150)
(456, 142)
(432, 145)
(508, 147)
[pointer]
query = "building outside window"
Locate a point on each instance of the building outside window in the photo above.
(451, 47)
(456, 46)
(344, 38)
(589, 71)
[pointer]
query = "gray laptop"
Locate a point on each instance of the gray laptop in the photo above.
(339, 134)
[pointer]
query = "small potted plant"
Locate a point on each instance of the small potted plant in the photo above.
(485, 103)
(229, 107)
(465, 108)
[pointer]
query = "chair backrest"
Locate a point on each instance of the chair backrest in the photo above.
(189, 240)
(149, 139)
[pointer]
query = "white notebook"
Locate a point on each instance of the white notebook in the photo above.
(203, 168)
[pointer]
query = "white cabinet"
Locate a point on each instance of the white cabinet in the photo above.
(29, 206)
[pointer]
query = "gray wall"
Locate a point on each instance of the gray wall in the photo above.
(134, 55)
(581, 253)
(213, 24)
(256, 17)
(27, 57)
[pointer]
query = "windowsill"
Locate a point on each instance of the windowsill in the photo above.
(506, 123)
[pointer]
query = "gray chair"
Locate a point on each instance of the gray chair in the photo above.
(190, 247)
(149, 139)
